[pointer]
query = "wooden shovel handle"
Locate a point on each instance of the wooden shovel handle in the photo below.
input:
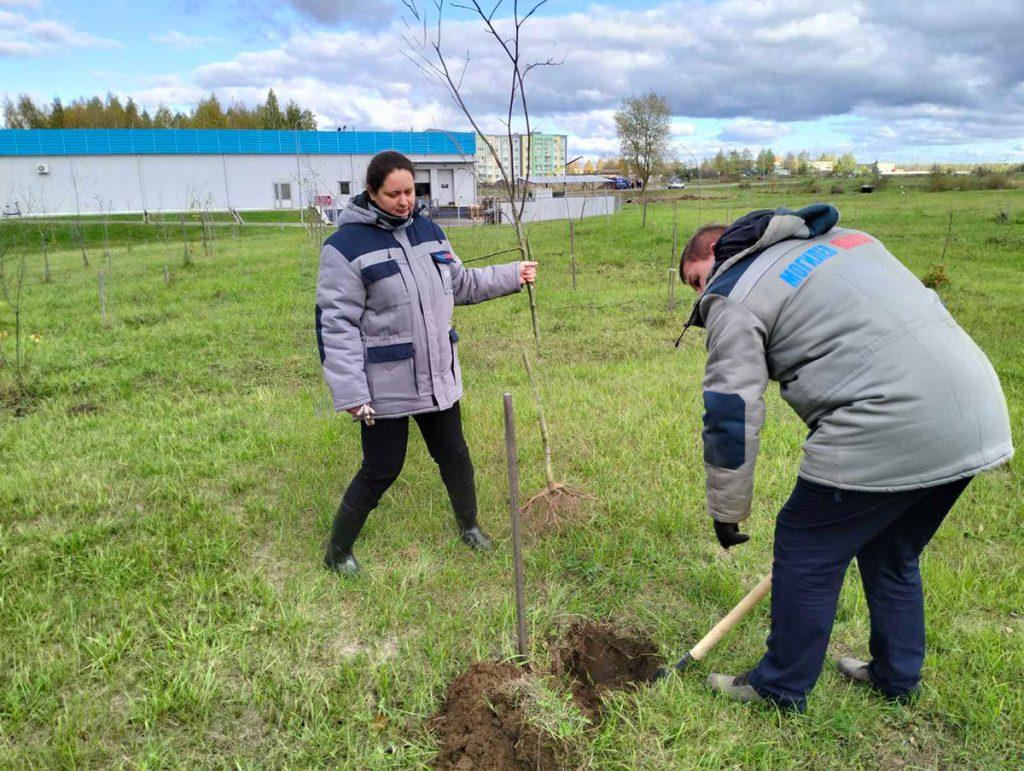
(733, 617)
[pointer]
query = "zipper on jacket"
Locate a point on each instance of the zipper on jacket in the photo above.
(440, 277)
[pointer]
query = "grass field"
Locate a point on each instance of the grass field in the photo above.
(168, 481)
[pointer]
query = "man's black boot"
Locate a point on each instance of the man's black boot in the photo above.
(347, 524)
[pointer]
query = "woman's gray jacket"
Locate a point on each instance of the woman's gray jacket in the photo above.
(384, 311)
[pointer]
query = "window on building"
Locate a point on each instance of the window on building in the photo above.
(344, 188)
(282, 191)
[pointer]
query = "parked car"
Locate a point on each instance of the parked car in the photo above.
(621, 183)
(676, 185)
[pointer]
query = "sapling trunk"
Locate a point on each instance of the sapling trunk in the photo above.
(81, 244)
(187, 259)
(572, 251)
(949, 232)
(46, 259)
(548, 472)
(675, 231)
(103, 298)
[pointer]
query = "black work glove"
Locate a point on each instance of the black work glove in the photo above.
(728, 534)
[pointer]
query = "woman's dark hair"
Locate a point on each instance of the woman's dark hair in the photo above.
(383, 164)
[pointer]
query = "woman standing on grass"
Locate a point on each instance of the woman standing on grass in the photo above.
(388, 283)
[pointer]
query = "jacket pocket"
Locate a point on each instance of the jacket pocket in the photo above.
(385, 287)
(443, 264)
(390, 368)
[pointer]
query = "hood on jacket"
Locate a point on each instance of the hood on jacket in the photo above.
(361, 209)
(752, 233)
(760, 229)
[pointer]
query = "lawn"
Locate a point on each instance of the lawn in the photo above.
(169, 478)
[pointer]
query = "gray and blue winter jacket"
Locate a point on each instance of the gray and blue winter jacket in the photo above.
(384, 304)
(894, 392)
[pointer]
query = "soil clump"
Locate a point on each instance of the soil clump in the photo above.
(483, 723)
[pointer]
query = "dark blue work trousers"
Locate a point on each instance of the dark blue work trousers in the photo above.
(818, 532)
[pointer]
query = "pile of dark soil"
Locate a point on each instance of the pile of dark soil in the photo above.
(483, 723)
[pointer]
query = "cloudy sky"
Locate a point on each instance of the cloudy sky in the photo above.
(892, 80)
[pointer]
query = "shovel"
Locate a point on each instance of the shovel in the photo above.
(733, 617)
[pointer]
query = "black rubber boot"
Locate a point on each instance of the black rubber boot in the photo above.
(476, 538)
(347, 524)
(462, 494)
(342, 563)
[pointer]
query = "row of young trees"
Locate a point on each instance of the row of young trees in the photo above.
(734, 163)
(737, 162)
(112, 113)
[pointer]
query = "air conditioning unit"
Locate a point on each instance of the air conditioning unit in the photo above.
(42, 168)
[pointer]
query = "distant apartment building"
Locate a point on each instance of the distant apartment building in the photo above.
(542, 154)
(822, 167)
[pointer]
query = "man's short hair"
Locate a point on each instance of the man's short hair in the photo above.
(698, 244)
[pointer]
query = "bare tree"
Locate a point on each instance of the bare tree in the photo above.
(76, 228)
(11, 285)
(643, 124)
(426, 49)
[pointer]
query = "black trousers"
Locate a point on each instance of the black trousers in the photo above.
(818, 533)
(384, 446)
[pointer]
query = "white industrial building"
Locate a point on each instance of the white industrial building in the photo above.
(67, 171)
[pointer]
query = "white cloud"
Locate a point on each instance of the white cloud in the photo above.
(951, 76)
(22, 37)
(180, 40)
(755, 131)
(352, 11)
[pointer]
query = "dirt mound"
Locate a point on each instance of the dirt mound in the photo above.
(600, 657)
(483, 724)
(553, 508)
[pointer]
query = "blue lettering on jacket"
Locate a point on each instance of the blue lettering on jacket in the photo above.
(801, 267)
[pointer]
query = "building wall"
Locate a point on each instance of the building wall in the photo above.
(131, 183)
(564, 208)
(540, 153)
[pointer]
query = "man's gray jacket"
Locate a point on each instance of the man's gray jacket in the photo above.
(894, 392)
(384, 304)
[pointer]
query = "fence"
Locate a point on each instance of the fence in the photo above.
(576, 207)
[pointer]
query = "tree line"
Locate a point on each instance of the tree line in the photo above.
(112, 113)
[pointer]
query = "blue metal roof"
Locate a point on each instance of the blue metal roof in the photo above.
(229, 142)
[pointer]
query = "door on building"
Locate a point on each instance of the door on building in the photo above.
(282, 195)
(446, 183)
(422, 182)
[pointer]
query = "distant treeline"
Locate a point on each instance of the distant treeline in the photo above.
(112, 113)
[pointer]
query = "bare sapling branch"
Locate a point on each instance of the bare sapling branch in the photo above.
(425, 49)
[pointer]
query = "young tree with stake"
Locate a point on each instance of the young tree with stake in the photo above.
(427, 52)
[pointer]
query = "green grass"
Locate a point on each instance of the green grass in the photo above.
(130, 231)
(168, 481)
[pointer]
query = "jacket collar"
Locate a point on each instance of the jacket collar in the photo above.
(361, 209)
